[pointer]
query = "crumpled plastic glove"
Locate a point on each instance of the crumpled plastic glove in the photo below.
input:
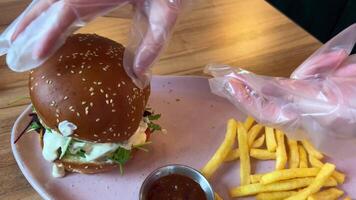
(44, 26)
(317, 103)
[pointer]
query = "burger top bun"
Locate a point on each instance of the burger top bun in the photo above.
(85, 83)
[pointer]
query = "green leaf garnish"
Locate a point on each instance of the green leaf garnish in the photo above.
(154, 117)
(81, 153)
(121, 156)
(154, 127)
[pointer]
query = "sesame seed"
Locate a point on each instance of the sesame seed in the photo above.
(86, 167)
(71, 71)
(95, 135)
(31, 88)
(123, 82)
(111, 101)
(84, 102)
(31, 72)
(71, 107)
(114, 94)
(83, 79)
(32, 78)
(99, 83)
(101, 90)
(91, 94)
(78, 114)
(119, 85)
(113, 110)
(107, 101)
(87, 110)
(36, 84)
(57, 120)
(91, 89)
(91, 104)
(59, 74)
(106, 95)
(97, 119)
(95, 83)
(57, 115)
(65, 97)
(80, 72)
(111, 130)
(42, 77)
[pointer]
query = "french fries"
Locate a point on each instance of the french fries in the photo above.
(303, 177)
(329, 194)
(340, 177)
(303, 160)
(253, 133)
(259, 142)
(223, 150)
(286, 174)
(274, 195)
(245, 167)
(270, 139)
(281, 154)
(293, 154)
(292, 184)
(233, 155)
(311, 150)
(217, 196)
(262, 154)
(255, 178)
(248, 123)
(323, 175)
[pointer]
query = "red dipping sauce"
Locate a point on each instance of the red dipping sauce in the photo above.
(175, 187)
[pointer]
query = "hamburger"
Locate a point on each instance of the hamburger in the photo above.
(90, 114)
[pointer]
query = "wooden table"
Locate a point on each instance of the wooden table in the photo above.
(250, 34)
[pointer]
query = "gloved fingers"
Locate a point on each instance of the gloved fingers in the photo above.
(320, 65)
(347, 68)
(326, 59)
(152, 27)
(30, 15)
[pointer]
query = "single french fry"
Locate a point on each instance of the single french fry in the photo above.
(259, 142)
(314, 162)
(255, 178)
(286, 174)
(233, 155)
(311, 149)
(262, 154)
(270, 139)
(281, 154)
(323, 175)
(293, 153)
(253, 133)
(329, 194)
(292, 184)
(303, 160)
(249, 122)
(274, 195)
(245, 167)
(223, 150)
(217, 196)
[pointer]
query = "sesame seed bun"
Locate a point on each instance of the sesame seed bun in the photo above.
(85, 83)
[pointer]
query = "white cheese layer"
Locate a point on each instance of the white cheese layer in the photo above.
(53, 141)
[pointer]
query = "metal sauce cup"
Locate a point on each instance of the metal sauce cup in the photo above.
(181, 170)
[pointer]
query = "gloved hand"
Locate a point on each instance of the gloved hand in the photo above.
(318, 102)
(44, 26)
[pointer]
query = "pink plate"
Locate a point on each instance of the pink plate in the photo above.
(195, 120)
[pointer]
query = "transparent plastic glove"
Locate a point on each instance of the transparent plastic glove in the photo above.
(44, 26)
(318, 102)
